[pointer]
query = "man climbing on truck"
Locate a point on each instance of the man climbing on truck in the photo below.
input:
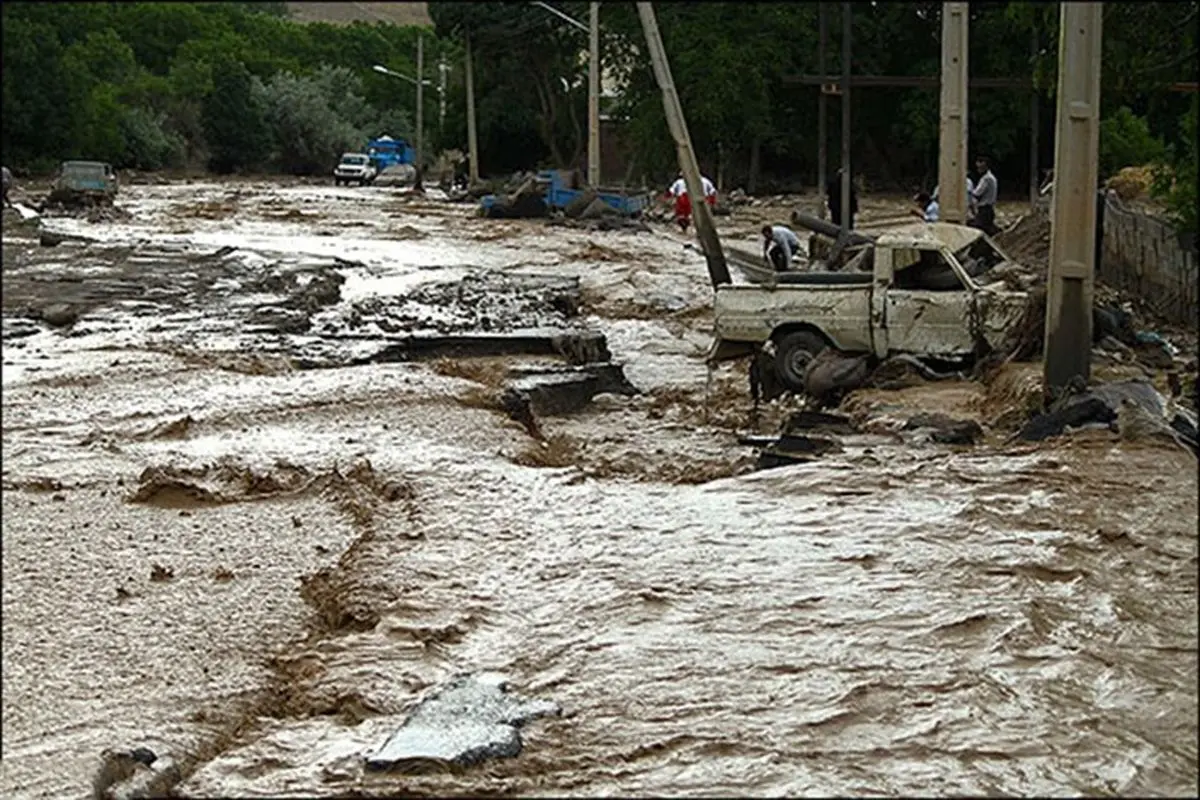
(780, 246)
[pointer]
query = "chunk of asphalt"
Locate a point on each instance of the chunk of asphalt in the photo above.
(472, 719)
(562, 390)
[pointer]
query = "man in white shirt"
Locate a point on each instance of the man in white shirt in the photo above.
(985, 194)
(683, 205)
(780, 246)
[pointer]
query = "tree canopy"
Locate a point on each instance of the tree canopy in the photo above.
(243, 86)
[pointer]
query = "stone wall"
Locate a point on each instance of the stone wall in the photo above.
(1143, 256)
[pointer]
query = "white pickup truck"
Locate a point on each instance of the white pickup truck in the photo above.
(912, 291)
(354, 168)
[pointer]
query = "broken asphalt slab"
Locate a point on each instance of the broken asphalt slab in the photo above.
(472, 719)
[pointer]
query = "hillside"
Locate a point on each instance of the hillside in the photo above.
(345, 13)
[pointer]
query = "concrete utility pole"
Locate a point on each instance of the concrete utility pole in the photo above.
(472, 147)
(952, 151)
(718, 270)
(846, 38)
(442, 70)
(594, 97)
(822, 110)
(1034, 124)
(1068, 348)
(420, 107)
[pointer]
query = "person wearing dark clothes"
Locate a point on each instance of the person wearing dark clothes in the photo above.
(834, 192)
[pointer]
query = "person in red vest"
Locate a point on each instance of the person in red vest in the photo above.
(683, 204)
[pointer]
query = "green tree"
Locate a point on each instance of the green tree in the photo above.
(234, 123)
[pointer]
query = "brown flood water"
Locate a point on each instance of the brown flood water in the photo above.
(894, 619)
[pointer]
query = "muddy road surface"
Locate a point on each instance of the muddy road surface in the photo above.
(250, 521)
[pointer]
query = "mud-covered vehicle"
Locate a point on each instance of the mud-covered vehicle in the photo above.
(84, 183)
(354, 168)
(913, 291)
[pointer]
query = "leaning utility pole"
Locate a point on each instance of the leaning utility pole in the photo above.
(594, 97)
(420, 108)
(471, 144)
(1068, 347)
(843, 234)
(822, 134)
(952, 150)
(718, 271)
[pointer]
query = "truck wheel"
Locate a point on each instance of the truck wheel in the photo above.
(337, 181)
(793, 353)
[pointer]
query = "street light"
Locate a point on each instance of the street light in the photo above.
(382, 70)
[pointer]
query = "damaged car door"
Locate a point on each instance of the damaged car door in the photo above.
(929, 307)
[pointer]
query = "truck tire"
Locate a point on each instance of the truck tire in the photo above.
(337, 181)
(793, 353)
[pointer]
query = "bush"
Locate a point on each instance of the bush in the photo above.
(147, 145)
(1175, 176)
(1125, 141)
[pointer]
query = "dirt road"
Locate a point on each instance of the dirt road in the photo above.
(237, 531)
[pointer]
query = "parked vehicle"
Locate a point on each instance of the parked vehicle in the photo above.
(95, 180)
(561, 189)
(912, 290)
(388, 152)
(354, 168)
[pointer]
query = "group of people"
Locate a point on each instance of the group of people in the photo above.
(683, 206)
(981, 200)
(781, 244)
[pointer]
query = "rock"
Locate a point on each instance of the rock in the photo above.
(818, 421)
(787, 450)
(473, 719)
(280, 319)
(946, 429)
(58, 315)
(598, 209)
(832, 374)
(576, 207)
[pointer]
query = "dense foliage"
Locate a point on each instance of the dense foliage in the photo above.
(240, 86)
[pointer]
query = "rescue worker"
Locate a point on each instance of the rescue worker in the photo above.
(683, 206)
(833, 191)
(984, 194)
(780, 246)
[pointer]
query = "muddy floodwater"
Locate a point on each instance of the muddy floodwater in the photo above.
(241, 531)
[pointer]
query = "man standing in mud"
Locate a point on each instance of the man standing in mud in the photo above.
(683, 206)
(7, 185)
(984, 194)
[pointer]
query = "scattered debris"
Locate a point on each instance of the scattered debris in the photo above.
(473, 719)
(945, 429)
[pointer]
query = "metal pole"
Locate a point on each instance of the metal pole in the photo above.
(420, 104)
(472, 146)
(846, 36)
(718, 270)
(952, 150)
(1034, 124)
(822, 109)
(442, 70)
(1073, 224)
(594, 98)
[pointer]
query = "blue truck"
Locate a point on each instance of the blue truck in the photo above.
(388, 152)
(558, 193)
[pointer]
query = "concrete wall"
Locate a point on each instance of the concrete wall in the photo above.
(1143, 256)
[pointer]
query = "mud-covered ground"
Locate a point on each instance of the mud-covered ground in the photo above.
(246, 527)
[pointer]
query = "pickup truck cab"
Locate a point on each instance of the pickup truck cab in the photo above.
(354, 168)
(93, 178)
(912, 291)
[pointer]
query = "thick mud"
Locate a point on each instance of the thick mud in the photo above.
(259, 570)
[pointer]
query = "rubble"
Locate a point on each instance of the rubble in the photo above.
(473, 719)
